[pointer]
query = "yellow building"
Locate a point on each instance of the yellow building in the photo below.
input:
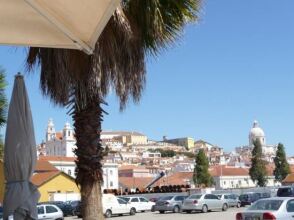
(2, 181)
(50, 180)
(186, 142)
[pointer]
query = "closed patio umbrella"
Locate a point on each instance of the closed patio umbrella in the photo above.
(20, 155)
(74, 24)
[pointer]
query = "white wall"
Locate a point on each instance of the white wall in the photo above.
(110, 176)
(231, 182)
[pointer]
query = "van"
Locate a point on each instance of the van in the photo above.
(111, 206)
(248, 198)
(286, 191)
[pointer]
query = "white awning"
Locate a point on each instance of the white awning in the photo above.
(74, 24)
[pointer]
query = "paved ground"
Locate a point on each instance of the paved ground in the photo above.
(229, 214)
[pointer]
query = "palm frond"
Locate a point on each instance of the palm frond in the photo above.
(160, 22)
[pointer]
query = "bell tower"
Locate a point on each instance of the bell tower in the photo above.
(50, 133)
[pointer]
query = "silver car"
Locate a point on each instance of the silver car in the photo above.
(276, 208)
(49, 212)
(169, 203)
(204, 203)
(231, 199)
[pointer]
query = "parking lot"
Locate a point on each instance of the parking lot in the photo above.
(229, 214)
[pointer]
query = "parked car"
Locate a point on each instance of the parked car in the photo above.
(111, 206)
(286, 191)
(65, 207)
(139, 203)
(73, 205)
(231, 199)
(264, 195)
(49, 212)
(248, 198)
(169, 203)
(204, 203)
(154, 199)
(78, 210)
(276, 208)
(1, 212)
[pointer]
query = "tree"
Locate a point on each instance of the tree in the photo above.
(164, 153)
(282, 168)
(137, 29)
(3, 108)
(201, 175)
(257, 170)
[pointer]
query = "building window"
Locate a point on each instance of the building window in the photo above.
(69, 172)
(224, 182)
(68, 133)
(111, 184)
(111, 172)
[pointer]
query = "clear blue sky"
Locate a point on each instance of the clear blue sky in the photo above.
(236, 65)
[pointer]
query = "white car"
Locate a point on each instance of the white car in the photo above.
(276, 208)
(140, 203)
(49, 212)
(116, 206)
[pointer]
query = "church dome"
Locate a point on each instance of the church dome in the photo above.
(256, 131)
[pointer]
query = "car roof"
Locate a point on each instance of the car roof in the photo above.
(277, 198)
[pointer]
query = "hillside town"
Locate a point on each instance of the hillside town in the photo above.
(132, 161)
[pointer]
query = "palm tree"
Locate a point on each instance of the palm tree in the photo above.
(137, 29)
(3, 107)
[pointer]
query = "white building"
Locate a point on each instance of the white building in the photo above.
(60, 143)
(67, 165)
(257, 133)
(226, 177)
(110, 176)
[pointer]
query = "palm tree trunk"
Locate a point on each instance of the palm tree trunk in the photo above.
(87, 123)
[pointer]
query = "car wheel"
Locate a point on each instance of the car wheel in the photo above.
(204, 208)
(238, 205)
(108, 213)
(176, 209)
(153, 209)
(161, 212)
(132, 211)
(225, 207)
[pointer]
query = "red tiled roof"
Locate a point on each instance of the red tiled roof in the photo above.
(44, 171)
(134, 182)
(179, 178)
(40, 178)
(289, 178)
(59, 135)
(57, 158)
(44, 166)
(222, 170)
(132, 167)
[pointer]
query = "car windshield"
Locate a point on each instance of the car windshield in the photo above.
(266, 205)
(125, 199)
(243, 197)
(197, 196)
(284, 192)
(166, 198)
